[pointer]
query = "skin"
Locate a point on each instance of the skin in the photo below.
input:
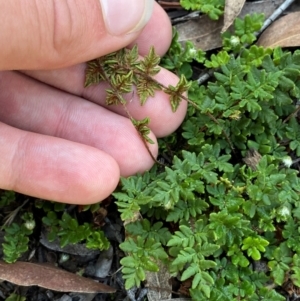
(58, 140)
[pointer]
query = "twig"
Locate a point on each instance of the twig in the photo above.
(292, 114)
(204, 77)
(193, 15)
(275, 15)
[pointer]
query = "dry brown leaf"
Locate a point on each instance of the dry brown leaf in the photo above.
(284, 32)
(206, 34)
(232, 10)
(158, 284)
(49, 277)
(252, 158)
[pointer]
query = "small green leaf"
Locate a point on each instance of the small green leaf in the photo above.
(140, 274)
(142, 127)
(177, 92)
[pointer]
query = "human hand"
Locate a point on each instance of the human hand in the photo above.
(58, 140)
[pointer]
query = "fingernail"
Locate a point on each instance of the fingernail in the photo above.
(126, 16)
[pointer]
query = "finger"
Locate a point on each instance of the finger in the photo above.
(163, 120)
(39, 108)
(157, 33)
(54, 169)
(53, 34)
(71, 79)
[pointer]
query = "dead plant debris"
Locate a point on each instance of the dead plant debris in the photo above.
(50, 277)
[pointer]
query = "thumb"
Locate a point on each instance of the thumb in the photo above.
(49, 34)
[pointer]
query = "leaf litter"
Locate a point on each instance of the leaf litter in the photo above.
(232, 10)
(159, 287)
(206, 33)
(50, 277)
(284, 32)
